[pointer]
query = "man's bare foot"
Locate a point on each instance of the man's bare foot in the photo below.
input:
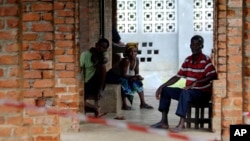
(160, 125)
(125, 107)
(156, 124)
(178, 129)
(146, 106)
(100, 115)
(119, 118)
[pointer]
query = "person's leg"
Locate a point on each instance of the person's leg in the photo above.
(94, 89)
(89, 107)
(167, 94)
(182, 107)
(100, 75)
(138, 87)
(116, 38)
(124, 103)
(126, 91)
(115, 35)
(93, 109)
(180, 126)
(88, 95)
(186, 97)
(141, 96)
(143, 104)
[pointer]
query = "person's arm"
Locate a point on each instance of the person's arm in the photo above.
(171, 81)
(137, 66)
(101, 71)
(98, 57)
(138, 76)
(203, 80)
(124, 67)
(104, 57)
(82, 63)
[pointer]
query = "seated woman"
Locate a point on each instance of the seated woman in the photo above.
(130, 80)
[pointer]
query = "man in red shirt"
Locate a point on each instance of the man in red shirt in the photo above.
(199, 72)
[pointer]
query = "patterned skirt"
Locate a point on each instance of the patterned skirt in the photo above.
(130, 87)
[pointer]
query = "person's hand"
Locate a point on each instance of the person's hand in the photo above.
(187, 87)
(158, 93)
(133, 78)
(190, 87)
(99, 95)
(139, 77)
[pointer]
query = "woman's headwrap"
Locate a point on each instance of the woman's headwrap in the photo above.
(129, 46)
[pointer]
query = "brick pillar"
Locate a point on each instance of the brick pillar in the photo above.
(38, 66)
(229, 88)
(66, 60)
(11, 119)
(246, 61)
(219, 86)
(232, 105)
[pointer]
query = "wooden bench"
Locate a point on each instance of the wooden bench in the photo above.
(198, 116)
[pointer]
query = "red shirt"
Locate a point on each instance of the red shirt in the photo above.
(193, 71)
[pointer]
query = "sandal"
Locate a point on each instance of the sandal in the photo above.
(156, 124)
(146, 106)
(159, 125)
(126, 108)
(119, 118)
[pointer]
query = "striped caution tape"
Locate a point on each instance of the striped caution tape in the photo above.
(109, 122)
(246, 114)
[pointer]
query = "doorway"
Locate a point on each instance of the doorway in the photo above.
(163, 29)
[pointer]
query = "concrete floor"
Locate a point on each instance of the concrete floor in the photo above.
(137, 116)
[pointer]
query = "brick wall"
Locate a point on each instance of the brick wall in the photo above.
(231, 96)
(39, 57)
(41, 41)
(65, 58)
(36, 19)
(11, 119)
(38, 47)
(246, 58)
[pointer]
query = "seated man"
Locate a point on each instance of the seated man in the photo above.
(93, 64)
(198, 71)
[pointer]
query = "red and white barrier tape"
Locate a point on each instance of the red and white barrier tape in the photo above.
(246, 114)
(109, 122)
